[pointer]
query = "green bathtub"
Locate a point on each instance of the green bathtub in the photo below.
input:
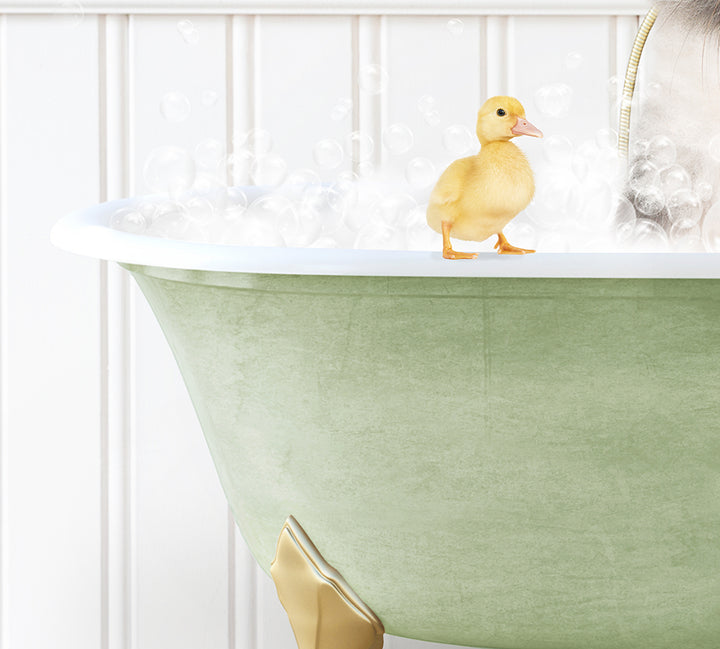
(507, 457)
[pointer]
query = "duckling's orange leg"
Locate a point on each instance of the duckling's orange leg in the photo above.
(504, 248)
(448, 252)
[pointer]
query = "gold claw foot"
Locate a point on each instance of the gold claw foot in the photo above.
(324, 611)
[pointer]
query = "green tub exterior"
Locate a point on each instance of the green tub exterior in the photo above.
(491, 462)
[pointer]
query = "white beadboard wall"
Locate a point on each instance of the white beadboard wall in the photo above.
(114, 532)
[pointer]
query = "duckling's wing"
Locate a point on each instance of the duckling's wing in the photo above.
(449, 186)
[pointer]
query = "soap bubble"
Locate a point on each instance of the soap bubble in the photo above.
(432, 117)
(418, 235)
(684, 205)
(303, 179)
(175, 107)
(650, 201)
(520, 233)
(208, 98)
(420, 172)
(557, 149)
(596, 212)
(426, 103)
(625, 218)
(235, 203)
(259, 141)
(580, 167)
(704, 190)
(613, 87)
(365, 169)
(643, 174)
(199, 210)
(239, 165)
(341, 109)
(378, 236)
(328, 154)
(714, 147)
(210, 154)
(640, 149)
(554, 100)
(648, 236)
(686, 236)
(711, 229)
(148, 209)
(661, 151)
(392, 210)
(606, 138)
(268, 170)
(70, 14)
(398, 139)
(556, 199)
(170, 222)
(169, 169)
(128, 220)
(189, 32)
(673, 178)
(359, 146)
(342, 195)
(207, 183)
(325, 242)
(455, 26)
(252, 231)
(573, 60)
(373, 79)
(457, 139)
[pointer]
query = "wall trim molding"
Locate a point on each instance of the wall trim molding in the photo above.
(335, 7)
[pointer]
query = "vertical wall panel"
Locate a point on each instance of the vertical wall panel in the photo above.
(305, 63)
(181, 514)
(52, 353)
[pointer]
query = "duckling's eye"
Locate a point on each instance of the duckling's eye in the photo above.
(501, 112)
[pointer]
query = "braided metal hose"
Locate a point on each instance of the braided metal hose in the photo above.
(630, 76)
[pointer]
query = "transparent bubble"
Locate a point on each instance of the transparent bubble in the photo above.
(129, 220)
(359, 146)
(259, 141)
(557, 149)
(341, 109)
(148, 209)
(169, 169)
(673, 178)
(580, 167)
(189, 32)
(328, 154)
(661, 151)
(210, 154)
(378, 236)
(521, 233)
(175, 107)
(170, 222)
(373, 79)
(268, 170)
(70, 14)
(640, 149)
(325, 242)
(239, 165)
(554, 100)
(625, 218)
(556, 200)
(597, 210)
(650, 201)
(606, 138)
(653, 90)
(613, 87)
(432, 117)
(209, 98)
(393, 210)
(207, 183)
(398, 138)
(648, 236)
(420, 172)
(686, 236)
(419, 236)
(643, 174)
(426, 103)
(199, 210)
(303, 178)
(342, 195)
(684, 205)
(458, 140)
(704, 190)
(455, 26)
(235, 203)
(253, 231)
(365, 169)
(711, 229)
(574, 60)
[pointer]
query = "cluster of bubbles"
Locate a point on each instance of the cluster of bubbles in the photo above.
(668, 207)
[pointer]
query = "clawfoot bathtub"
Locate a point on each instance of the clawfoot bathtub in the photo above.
(520, 453)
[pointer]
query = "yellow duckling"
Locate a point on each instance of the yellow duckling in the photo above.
(477, 196)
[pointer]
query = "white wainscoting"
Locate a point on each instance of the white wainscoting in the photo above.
(114, 530)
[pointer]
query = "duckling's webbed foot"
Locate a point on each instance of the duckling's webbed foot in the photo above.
(504, 248)
(448, 252)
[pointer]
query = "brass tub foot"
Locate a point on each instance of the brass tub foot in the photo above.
(324, 611)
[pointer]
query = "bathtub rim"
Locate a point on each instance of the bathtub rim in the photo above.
(87, 232)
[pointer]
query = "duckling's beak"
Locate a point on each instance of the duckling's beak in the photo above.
(523, 127)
